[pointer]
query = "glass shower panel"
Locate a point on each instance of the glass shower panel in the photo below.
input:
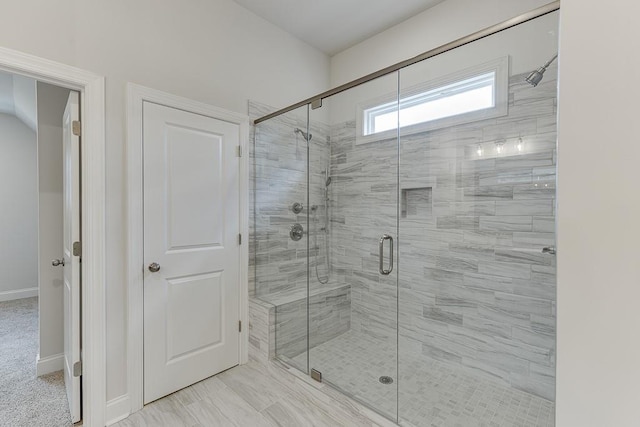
(281, 223)
(353, 228)
(477, 289)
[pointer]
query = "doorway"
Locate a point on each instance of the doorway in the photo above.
(90, 90)
(40, 301)
(188, 212)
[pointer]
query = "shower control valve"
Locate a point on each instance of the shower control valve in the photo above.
(296, 232)
(296, 208)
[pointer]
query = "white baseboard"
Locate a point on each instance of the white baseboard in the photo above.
(20, 293)
(49, 364)
(118, 409)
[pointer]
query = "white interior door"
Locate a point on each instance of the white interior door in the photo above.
(71, 234)
(191, 248)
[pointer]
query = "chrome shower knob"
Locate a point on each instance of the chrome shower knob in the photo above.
(296, 208)
(296, 232)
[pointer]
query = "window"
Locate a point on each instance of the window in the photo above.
(473, 94)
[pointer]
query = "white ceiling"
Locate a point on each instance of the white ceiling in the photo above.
(335, 25)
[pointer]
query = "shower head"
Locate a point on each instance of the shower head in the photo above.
(536, 76)
(327, 181)
(307, 136)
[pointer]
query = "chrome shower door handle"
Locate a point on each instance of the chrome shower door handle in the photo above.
(381, 254)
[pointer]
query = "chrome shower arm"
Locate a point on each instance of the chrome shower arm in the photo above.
(546, 65)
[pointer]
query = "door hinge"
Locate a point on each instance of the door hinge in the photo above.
(77, 249)
(239, 325)
(239, 239)
(77, 369)
(239, 151)
(76, 128)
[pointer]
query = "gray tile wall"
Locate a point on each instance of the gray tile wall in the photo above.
(329, 316)
(475, 289)
(261, 330)
(278, 265)
(279, 179)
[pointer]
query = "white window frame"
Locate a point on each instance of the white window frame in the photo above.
(498, 66)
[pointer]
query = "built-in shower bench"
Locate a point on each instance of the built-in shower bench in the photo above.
(278, 321)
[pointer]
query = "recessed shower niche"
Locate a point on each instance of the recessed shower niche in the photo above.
(416, 202)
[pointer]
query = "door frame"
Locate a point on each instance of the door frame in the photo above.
(92, 112)
(136, 96)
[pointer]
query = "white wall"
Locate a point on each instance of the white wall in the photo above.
(209, 50)
(24, 100)
(598, 371)
(18, 209)
(51, 103)
(434, 27)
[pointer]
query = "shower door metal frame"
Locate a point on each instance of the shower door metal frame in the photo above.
(316, 101)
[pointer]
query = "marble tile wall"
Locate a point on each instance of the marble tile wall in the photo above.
(475, 289)
(278, 179)
(262, 326)
(329, 317)
(279, 265)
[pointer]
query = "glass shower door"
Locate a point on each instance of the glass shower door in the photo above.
(353, 281)
(281, 224)
(477, 223)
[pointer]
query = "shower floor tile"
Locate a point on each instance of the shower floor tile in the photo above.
(431, 393)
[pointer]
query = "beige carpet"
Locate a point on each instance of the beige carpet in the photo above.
(26, 400)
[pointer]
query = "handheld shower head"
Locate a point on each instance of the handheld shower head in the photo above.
(307, 136)
(327, 180)
(536, 76)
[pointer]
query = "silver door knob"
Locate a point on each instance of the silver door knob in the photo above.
(154, 267)
(57, 262)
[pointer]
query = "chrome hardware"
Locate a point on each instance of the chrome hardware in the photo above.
(296, 232)
(296, 208)
(57, 262)
(316, 375)
(549, 250)
(154, 267)
(76, 128)
(77, 369)
(381, 249)
(77, 249)
(386, 380)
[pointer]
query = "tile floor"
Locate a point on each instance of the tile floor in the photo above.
(431, 393)
(253, 395)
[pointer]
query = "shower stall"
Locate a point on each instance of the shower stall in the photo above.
(404, 232)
